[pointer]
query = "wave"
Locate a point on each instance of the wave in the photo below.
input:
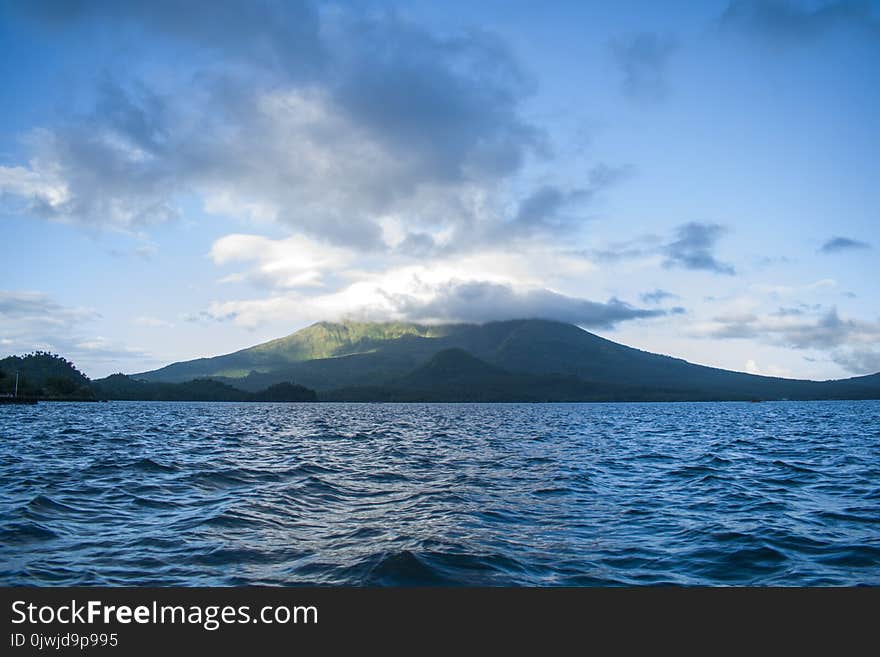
(442, 495)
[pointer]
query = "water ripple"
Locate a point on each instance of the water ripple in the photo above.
(137, 493)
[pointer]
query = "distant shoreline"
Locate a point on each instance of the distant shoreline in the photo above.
(449, 402)
(515, 361)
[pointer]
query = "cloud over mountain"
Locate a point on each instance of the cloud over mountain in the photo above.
(481, 301)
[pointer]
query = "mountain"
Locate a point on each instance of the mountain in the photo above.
(516, 360)
(320, 341)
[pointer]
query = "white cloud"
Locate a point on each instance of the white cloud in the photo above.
(468, 288)
(767, 370)
(33, 184)
(293, 262)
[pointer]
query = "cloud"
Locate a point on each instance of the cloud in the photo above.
(311, 281)
(32, 320)
(542, 206)
(657, 296)
(39, 310)
(838, 244)
(642, 60)
(279, 35)
(829, 330)
(30, 188)
(647, 246)
(481, 301)
(326, 122)
(428, 294)
(858, 361)
(107, 171)
(693, 246)
(785, 22)
(294, 262)
(544, 209)
(798, 330)
(752, 367)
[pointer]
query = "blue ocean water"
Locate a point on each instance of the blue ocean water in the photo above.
(142, 493)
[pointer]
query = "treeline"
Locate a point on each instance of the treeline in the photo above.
(122, 387)
(47, 376)
(44, 376)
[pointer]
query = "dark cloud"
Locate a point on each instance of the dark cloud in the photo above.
(324, 120)
(283, 34)
(657, 296)
(838, 244)
(452, 102)
(542, 206)
(113, 168)
(545, 209)
(782, 21)
(482, 301)
(642, 60)
(693, 247)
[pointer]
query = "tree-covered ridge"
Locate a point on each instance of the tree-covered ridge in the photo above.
(43, 374)
(122, 387)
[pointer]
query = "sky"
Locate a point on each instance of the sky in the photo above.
(697, 179)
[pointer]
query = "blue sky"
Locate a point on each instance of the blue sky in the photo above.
(186, 179)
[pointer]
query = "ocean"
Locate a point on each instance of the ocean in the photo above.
(193, 494)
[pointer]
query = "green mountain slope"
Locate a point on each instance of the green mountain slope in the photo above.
(323, 340)
(517, 359)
